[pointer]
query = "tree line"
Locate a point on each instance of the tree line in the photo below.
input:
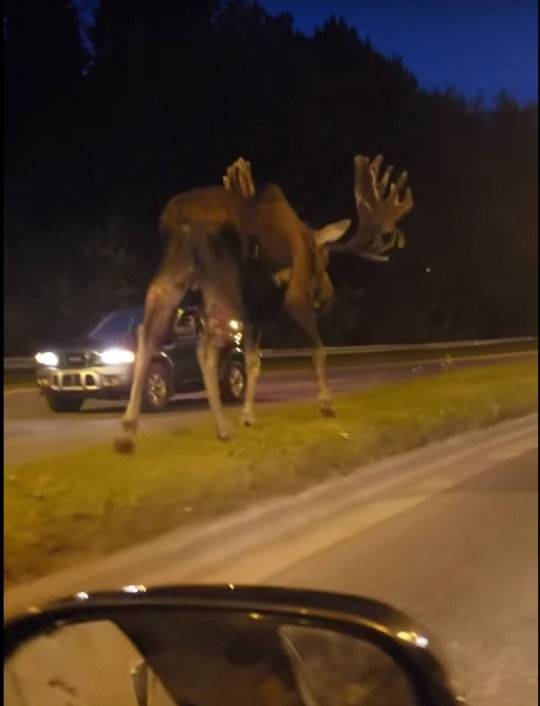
(100, 134)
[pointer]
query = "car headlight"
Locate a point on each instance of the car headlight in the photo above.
(117, 356)
(48, 358)
(235, 325)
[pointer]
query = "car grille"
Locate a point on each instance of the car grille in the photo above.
(77, 359)
(75, 381)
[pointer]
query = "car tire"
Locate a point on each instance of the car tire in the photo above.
(64, 402)
(157, 388)
(233, 382)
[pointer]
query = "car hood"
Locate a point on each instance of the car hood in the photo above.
(90, 344)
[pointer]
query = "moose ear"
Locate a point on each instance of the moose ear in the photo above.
(332, 232)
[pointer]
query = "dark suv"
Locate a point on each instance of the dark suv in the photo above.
(101, 366)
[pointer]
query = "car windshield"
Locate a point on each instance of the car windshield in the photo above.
(117, 324)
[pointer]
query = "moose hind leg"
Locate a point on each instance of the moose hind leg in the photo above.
(162, 296)
(208, 357)
(319, 361)
(253, 369)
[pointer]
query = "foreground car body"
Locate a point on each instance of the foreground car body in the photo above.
(101, 366)
(210, 645)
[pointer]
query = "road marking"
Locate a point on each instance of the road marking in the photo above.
(360, 511)
(517, 449)
(280, 554)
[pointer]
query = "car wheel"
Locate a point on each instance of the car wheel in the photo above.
(233, 384)
(157, 389)
(64, 402)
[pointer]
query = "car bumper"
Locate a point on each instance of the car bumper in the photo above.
(92, 381)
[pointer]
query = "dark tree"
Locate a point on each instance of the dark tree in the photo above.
(43, 57)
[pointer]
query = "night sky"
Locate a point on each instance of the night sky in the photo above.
(480, 46)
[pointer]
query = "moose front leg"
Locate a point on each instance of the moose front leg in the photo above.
(301, 312)
(319, 362)
(253, 369)
(208, 357)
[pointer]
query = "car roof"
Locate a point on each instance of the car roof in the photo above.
(138, 311)
(135, 311)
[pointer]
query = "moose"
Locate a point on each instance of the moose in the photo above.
(250, 255)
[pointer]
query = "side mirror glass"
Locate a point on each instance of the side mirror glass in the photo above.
(220, 653)
(86, 663)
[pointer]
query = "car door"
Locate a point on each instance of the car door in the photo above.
(182, 348)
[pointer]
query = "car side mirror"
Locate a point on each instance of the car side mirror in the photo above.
(219, 646)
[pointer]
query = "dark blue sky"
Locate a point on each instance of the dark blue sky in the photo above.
(479, 46)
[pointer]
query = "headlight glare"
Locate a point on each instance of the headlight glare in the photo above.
(48, 358)
(117, 356)
(236, 325)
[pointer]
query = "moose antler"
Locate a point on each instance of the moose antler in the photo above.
(239, 179)
(379, 209)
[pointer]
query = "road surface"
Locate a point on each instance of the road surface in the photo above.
(32, 430)
(447, 533)
(465, 564)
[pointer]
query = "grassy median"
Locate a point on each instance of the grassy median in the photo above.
(77, 506)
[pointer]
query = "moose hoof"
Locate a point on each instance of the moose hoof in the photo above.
(129, 425)
(223, 431)
(247, 420)
(327, 410)
(124, 444)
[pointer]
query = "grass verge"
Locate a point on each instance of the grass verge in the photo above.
(77, 506)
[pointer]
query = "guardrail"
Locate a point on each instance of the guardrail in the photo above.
(25, 363)
(19, 363)
(396, 347)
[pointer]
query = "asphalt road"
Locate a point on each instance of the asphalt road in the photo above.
(457, 549)
(466, 565)
(447, 533)
(32, 430)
